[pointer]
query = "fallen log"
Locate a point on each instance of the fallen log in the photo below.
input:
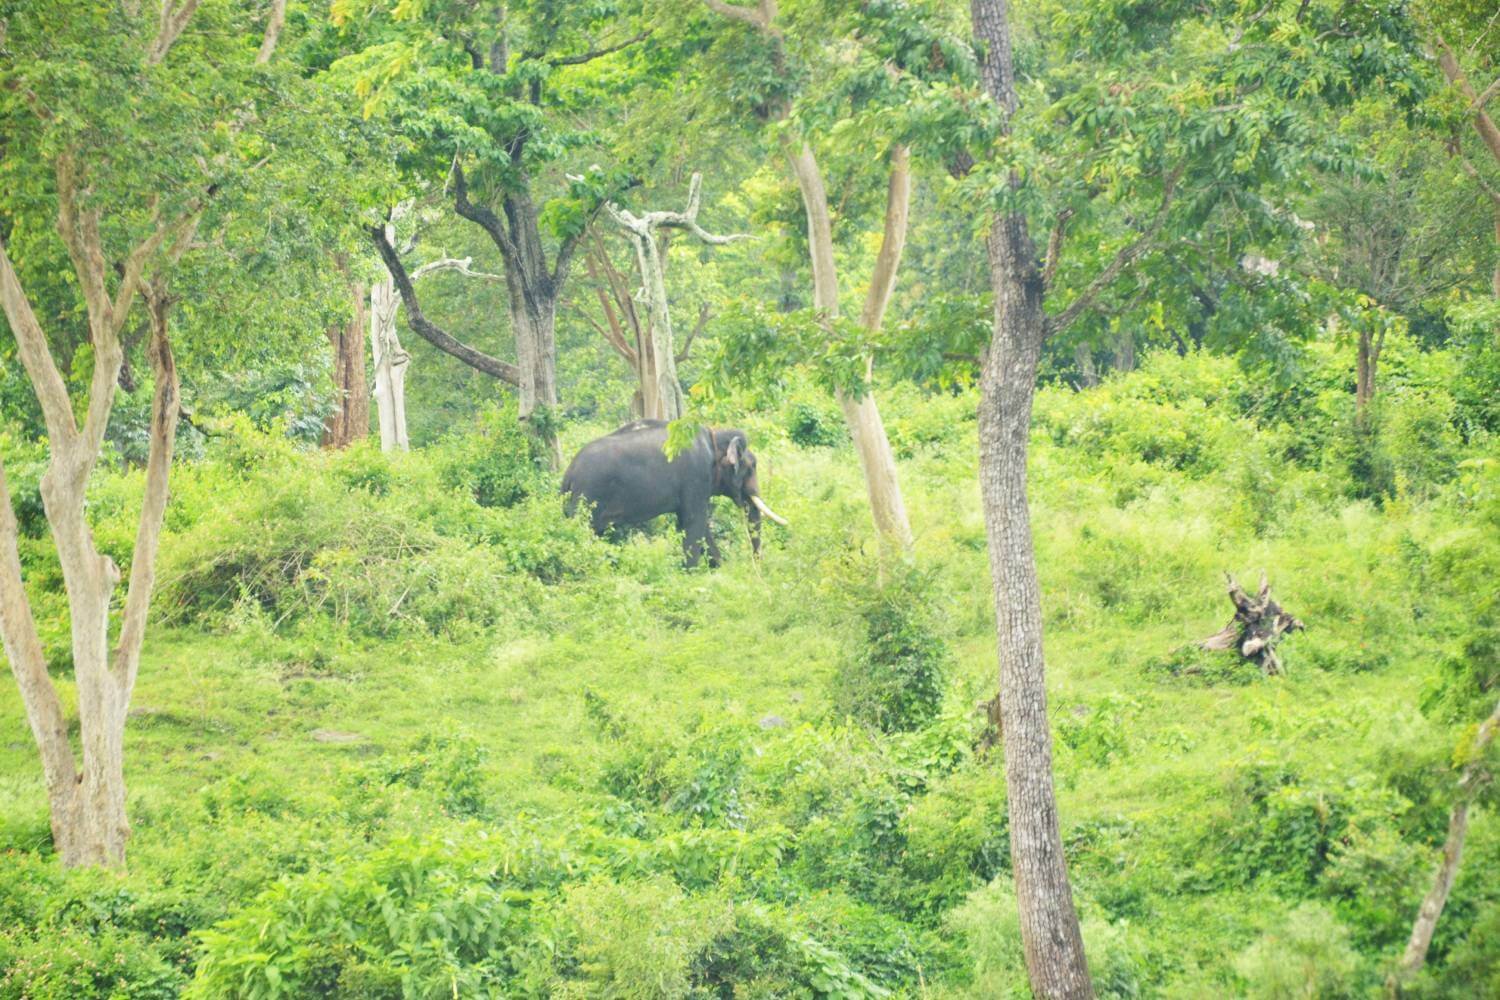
(1258, 624)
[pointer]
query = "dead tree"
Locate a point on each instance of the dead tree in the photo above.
(656, 359)
(1258, 624)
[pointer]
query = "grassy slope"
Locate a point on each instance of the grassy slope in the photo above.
(1123, 585)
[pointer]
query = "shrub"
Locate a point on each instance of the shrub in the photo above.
(68, 963)
(896, 679)
(815, 427)
(638, 939)
(498, 462)
(1309, 955)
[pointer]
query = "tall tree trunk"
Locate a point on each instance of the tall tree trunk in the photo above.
(1473, 778)
(1050, 935)
(656, 352)
(866, 429)
(350, 421)
(1124, 351)
(536, 356)
(391, 362)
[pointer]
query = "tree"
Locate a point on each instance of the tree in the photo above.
(882, 482)
(472, 92)
(350, 419)
(1142, 148)
(1447, 27)
(390, 359)
(1050, 934)
(126, 169)
(655, 353)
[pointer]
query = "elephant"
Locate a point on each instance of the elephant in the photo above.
(625, 475)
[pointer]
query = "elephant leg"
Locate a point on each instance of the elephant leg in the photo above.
(713, 546)
(694, 531)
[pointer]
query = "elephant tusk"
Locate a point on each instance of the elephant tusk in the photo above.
(760, 505)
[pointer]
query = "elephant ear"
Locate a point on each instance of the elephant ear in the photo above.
(732, 453)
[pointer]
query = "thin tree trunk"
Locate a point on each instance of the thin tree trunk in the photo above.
(656, 356)
(866, 429)
(1050, 936)
(350, 422)
(1436, 899)
(391, 362)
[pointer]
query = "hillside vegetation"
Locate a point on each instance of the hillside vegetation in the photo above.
(402, 729)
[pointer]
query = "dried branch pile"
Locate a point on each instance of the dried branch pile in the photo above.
(1258, 624)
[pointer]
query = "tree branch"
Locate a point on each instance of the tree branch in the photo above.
(760, 16)
(892, 240)
(1125, 258)
(36, 357)
(166, 406)
(169, 27)
(703, 315)
(274, 23)
(23, 647)
(598, 53)
(419, 324)
(461, 265)
(1483, 99)
(1054, 247)
(1488, 132)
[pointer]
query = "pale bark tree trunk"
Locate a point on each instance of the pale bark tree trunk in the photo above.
(1124, 351)
(1488, 131)
(350, 422)
(866, 429)
(1088, 375)
(1050, 936)
(661, 392)
(1474, 776)
(1366, 366)
(87, 804)
(391, 361)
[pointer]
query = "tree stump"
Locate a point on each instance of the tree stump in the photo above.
(1258, 624)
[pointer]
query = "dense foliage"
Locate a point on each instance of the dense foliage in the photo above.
(404, 728)
(402, 738)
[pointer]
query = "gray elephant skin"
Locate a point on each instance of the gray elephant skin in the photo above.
(626, 478)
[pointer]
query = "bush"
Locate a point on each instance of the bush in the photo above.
(498, 463)
(896, 679)
(70, 963)
(638, 939)
(815, 427)
(1309, 955)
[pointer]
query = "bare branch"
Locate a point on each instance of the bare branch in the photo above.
(703, 316)
(892, 240)
(1125, 258)
(461, 265)
(428, 331)
(598, 53)
(169, 27)
(1054, 247)
(274, 23)
(36, 357)
(760, 16)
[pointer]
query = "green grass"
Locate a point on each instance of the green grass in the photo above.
(258, 752)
